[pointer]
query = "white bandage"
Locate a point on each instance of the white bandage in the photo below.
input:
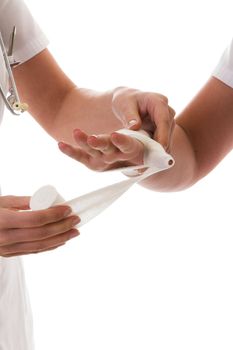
(154, 157)
(91, 204)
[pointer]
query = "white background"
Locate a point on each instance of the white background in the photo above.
(155, 270)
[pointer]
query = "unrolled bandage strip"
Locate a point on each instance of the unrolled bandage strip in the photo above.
(92, 204)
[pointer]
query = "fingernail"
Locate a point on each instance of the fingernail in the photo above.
(74, 233)
(67, 212)
(132, 122)
(76, 221)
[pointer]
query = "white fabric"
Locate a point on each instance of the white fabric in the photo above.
(92, 204)
(29, 40)
(224, 68)
(15, 313)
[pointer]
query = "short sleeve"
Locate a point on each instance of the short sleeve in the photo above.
(224, 69)
(30, 39)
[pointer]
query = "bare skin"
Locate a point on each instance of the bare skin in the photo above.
(24, 232)
(60, 108)
(201, 139)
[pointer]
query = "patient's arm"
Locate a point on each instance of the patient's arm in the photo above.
(203, 135)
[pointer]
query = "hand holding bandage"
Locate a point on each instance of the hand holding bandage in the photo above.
(90, 205)
(135, 110)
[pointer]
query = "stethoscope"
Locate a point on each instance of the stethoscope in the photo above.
(11, 99)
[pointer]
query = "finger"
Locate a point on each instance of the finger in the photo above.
(29, 219)
(126, 144)
(101, 143)
(21, 253)
(148, 125)
(14, 202)
(171, 136)
(81, 156)
(130, 151)
(74, 152)
(13, 236)
(164, 126)
(156, 106)
(125, 107)
(81, 139)
(172, 111)
(38, 246)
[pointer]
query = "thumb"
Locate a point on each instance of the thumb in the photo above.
(129, 118)
(126, 110)
(15, 202)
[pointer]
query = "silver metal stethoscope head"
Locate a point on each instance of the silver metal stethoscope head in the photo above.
(11, 99)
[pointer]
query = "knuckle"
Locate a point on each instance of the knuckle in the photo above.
(152, 97)
(163, 103)
(164, 99)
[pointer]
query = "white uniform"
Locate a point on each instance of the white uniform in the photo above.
(224, 69)
(15, 313)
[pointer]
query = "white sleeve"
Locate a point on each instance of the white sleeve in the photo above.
(224, 70)
(30, 39)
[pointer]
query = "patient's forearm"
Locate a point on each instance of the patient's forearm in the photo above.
(202, 138)
(183, 174)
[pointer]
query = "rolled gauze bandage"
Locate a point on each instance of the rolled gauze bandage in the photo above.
(91, 204)
(45, 197)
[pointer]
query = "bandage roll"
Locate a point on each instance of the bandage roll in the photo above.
(45, 197)
(87, 206)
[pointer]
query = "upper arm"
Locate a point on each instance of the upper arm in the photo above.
(208, 123)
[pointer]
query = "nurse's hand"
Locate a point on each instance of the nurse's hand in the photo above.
(149, 111)
(136, 110)
(25, 232)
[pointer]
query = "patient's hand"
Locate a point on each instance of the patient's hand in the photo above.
(136, 110)
(104, 152)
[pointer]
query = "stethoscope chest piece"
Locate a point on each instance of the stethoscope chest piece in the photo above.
(11, 99)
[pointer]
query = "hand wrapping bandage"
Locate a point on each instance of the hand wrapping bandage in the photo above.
(91, 204)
